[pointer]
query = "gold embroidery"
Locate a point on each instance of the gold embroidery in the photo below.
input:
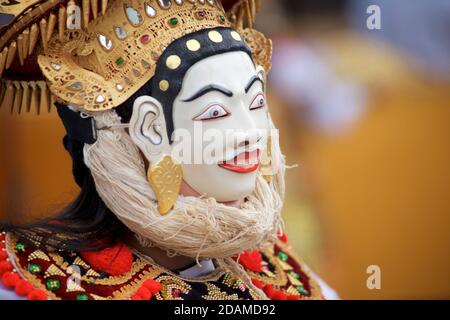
(128, 290)
(214, 293)
(53, 271)
(59, 260)
(92, 273)
(10, 245)
(78, 261)
(38, 254)
(293, 280)
(278, 276)
(285, 266)
(292, 290)
(233, 282)
(96, 297)
(170, 285)
(315, 290)
(136, 267)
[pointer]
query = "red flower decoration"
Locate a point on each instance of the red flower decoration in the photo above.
(23, 288)
(283, 237)
(10, 279)
(37, 295)
(152, 285)
(115, 260)
(144, 293)
(5, 266)
(251, 260)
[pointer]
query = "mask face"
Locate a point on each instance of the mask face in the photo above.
(221, 125)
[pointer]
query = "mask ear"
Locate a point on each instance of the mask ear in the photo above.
(148, 128)
(148, 132)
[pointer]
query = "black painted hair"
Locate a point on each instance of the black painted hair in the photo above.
(175, 77)
(87, 217)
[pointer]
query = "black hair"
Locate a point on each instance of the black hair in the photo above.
(87, 223)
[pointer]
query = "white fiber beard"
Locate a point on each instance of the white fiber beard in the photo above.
(196, 227)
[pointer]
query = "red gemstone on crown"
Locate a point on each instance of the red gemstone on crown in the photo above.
(145, 39)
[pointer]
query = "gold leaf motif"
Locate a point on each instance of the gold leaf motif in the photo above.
(92, 273)
(38, 254)
(78, 261)
(170, 284)
(294, 281)
(53, 271)
(292, 290)
(285, 266)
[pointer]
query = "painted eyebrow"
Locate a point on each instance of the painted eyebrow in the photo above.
(251, 82)
(207, 89)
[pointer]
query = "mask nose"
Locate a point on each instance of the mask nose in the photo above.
(247, 138)
(244, 144)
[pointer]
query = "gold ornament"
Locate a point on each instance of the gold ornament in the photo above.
(78, 261)
(214, 293)
(173, 62)
(53, 271)
(164, 85)
(165, 178)
(193, 45)
(97, 62)
(38, 254)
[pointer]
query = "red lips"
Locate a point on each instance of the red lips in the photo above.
(243, 163)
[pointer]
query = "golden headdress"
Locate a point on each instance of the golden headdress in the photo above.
(97, 53)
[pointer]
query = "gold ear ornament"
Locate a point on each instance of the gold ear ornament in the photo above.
(165, 179)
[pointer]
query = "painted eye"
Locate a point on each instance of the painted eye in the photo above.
(259, 102)
(213, 112)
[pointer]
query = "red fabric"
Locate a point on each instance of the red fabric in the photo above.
(152, 285)
(37, 295)
(23, 287)
(10, 279)
(251, 260)
(115, 260)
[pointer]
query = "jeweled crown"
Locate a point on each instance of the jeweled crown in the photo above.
(113, 53)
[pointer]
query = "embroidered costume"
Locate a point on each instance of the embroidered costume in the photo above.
(118, 273)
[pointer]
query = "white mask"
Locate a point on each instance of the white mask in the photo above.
(233, 106)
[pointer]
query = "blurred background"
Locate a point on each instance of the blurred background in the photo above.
(363, 107)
